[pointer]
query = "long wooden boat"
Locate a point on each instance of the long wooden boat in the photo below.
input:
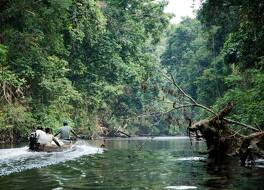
(53, 147)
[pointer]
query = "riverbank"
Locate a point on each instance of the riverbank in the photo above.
(9, 135)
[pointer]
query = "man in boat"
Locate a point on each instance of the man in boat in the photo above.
(65, 132)
(51, 137)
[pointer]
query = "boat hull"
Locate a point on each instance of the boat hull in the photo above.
(52, 147)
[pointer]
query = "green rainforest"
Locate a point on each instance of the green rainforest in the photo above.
(120, 65)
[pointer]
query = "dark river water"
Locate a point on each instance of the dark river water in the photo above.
(138, 163)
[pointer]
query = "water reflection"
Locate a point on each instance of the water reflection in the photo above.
(228, 174)
(159, 164)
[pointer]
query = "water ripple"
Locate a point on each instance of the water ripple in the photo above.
(190, 158)
(20, 159)
(181, 187)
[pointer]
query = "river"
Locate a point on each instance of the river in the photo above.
(136, 163)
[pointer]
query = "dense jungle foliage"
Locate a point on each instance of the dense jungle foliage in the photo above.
(77, 60)
(101, 62)
(219, 58)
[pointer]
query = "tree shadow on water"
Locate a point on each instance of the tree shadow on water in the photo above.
(228, 174)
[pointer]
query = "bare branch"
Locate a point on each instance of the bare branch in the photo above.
(230, 121)
(235, 133)
(173, 81)
(181, 90)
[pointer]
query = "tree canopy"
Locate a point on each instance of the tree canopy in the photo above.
(103, 61)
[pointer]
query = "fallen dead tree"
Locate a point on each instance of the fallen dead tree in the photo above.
(221, 140)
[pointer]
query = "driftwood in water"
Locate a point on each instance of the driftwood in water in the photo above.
(221, 140)
(107, 131)
(113, 132)
(121, 132)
